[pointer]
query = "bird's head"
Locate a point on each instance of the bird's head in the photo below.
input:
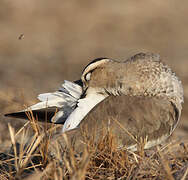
(93, 66)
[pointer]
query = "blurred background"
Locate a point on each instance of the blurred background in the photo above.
(44, 42)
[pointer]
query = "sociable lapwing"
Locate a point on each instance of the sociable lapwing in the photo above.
(137, 98)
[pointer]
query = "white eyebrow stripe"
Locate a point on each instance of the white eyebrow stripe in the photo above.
(93, 65)
(84, 106)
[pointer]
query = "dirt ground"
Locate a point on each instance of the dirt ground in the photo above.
(44, 42)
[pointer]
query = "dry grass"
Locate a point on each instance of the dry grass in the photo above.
(34, 158)
(60, 37)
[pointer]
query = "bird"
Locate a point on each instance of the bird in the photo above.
(137, 98)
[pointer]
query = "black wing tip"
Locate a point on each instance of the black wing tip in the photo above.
(16, 114)
(40, 115)
(9, 114)
(6, 115)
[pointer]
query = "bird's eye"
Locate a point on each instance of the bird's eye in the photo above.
(88, 76)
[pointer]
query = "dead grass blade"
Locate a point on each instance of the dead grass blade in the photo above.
(185, 175)
(12, 137)
(165, 164)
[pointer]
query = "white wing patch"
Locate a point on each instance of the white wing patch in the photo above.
(73, 89)
(69, 90)
(71, 109)
(65, 100)
(84, 106)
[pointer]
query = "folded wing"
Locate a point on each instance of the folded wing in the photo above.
(84, 106)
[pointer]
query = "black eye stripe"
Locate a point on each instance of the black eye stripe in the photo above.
(88, 73)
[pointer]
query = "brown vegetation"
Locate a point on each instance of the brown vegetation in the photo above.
(44, 42)
(41, 156)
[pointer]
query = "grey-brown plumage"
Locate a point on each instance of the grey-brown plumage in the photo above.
(130, 119)
(138, 98)
(144, 100)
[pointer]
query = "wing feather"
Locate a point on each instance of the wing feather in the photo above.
(84, 106)
(63, 102)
